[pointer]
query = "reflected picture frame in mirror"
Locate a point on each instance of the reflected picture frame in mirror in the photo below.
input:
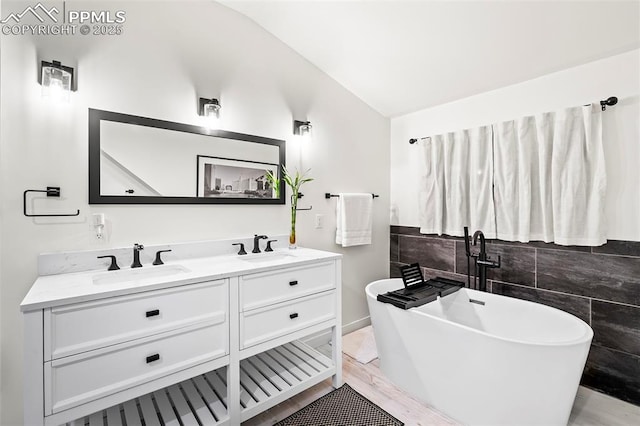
(140, 160)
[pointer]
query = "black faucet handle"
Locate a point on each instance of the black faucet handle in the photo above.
(137, 246)
(241, 251)
(158, 260)
(269, 245)
(114, 265)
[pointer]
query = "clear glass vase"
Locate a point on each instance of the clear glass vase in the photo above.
(292, 234)
(292, 239)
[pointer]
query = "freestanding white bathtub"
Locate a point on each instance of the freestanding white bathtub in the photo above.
(504, 362)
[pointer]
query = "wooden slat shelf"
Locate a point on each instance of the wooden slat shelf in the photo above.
(266, 379)
(271, 377)
(200, 400)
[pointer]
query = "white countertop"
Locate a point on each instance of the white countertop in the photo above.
(62, 289)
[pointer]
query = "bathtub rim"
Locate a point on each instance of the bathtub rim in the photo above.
(586, 337)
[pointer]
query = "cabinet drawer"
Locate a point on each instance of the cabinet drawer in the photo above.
(263, 324)
(78, 379)
(83, 327)
(267, 288)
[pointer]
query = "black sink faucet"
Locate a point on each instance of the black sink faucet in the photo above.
(256, 242)
(136, 255)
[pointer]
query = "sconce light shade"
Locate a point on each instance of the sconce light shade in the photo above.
(210, 109)
(302, 128)
(56, 80)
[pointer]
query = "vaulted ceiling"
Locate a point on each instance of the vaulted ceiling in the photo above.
(401, 56)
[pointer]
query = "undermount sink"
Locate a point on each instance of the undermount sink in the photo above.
(138, 274)
(266, 257)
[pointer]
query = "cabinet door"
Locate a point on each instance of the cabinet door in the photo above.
(86, 326)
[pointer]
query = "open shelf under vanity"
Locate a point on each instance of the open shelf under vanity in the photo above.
(266, 379)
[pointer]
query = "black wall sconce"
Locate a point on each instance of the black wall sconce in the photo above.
(210, 109)
(301, 128)
(57, 81)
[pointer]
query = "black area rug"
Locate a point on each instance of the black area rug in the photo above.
(341, 407)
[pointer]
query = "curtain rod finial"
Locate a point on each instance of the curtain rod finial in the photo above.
(611, 101)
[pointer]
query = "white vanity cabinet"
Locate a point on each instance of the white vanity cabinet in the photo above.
(213, 351)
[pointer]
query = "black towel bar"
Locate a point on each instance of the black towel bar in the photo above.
(51, 191)
(328, 195)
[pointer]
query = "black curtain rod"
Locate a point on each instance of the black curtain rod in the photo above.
(610, 101)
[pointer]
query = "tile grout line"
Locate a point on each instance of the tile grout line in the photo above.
(625, 256)
(535, 268)
(455, 256)
(591, 298)
(600, 345)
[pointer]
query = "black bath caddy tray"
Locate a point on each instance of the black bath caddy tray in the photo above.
(416, 291)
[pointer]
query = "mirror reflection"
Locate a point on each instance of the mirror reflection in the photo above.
(141, 160)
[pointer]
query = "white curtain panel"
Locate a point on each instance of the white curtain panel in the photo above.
(456, 183)
(536, 178)
(550, 178)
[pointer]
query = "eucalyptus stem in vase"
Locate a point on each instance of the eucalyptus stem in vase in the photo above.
(294, 182)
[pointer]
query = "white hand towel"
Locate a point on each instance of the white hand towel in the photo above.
(354, 219)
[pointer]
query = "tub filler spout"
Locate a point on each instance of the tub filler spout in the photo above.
(482, 260)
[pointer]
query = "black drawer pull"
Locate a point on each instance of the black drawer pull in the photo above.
(152, 358)
(292, 283)
(292, 316)
(153, 313)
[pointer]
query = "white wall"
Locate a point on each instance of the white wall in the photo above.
(170, 54)
(613, 76)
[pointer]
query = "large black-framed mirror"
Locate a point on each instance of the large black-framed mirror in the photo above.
(139, 160)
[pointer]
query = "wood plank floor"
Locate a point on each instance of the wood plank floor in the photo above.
(591, 408)
(368, 380)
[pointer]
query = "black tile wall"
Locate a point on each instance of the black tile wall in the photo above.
(621, 248)
(432, 273)
(394, 270)
(393, 248)
(613, 278)
(616, 326)
(578, 306)
(429, 252)
(613, 372)
(600, 285)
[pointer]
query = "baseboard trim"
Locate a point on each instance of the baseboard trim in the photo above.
(324, 337)
(356, 325)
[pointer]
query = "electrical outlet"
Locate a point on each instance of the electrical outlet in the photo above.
(319, 221)
(98, 224)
